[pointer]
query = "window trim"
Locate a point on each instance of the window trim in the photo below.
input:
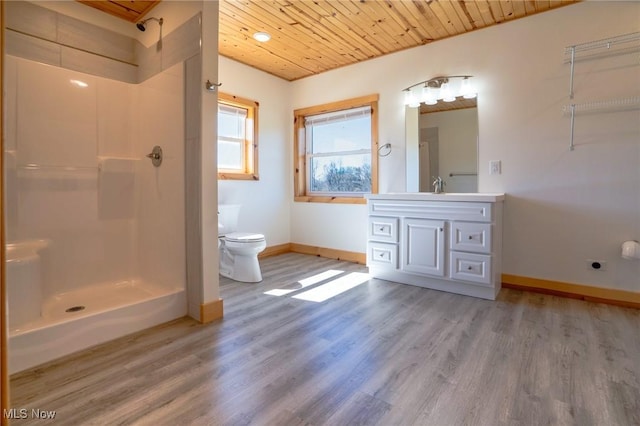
(299, 152)
(251, 146)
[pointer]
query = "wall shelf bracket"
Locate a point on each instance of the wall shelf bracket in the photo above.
(612, 105)
(629, 43)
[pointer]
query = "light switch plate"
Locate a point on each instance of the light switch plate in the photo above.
(495, 167)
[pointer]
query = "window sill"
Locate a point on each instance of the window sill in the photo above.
(330, 199)
(237, 176)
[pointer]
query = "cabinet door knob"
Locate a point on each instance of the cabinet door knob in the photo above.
(381, 229)
(470, 237)
(441, 229)
(469, 268)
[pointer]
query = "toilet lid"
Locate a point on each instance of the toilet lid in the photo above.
(244, 237)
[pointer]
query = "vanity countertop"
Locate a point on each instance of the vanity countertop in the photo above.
(430, 196)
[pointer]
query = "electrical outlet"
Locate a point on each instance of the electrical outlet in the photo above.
(596, 265)
(495, 167)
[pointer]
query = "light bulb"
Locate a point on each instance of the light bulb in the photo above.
(467, 90)
(411, 100)
(407, 97)
(429, 96)
(446, 94)
(631, 250)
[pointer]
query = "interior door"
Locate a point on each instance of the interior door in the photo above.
(428, 162)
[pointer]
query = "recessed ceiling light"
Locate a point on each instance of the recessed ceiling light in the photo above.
(262, 36)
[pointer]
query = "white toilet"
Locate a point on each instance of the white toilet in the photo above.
(238, 250)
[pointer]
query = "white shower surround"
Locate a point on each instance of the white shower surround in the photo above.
(115, 223)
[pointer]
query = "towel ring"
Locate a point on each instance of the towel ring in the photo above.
(385, 146)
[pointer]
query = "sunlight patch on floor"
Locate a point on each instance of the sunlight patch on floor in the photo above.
(333, 288)
(305, 283)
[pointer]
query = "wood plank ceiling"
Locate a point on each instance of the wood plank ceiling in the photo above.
(129, 10)
(310, 37)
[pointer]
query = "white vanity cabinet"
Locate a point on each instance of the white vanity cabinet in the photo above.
(449, 242)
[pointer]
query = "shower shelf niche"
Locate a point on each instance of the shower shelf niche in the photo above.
(114, 164)
(48, 167)
(117, 164)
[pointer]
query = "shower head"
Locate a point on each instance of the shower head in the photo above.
(142, 24)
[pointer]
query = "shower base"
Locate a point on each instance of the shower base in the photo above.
(82, 318)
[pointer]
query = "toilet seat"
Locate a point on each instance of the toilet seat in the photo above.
(244, 237)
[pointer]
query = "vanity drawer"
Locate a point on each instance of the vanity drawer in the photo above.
(383, 229)
(471, 267)
(475, 237)
(382, 254)
(445, 210)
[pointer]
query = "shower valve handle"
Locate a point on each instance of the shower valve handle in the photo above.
(156, 156)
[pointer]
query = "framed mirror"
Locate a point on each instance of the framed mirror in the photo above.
(442, 140)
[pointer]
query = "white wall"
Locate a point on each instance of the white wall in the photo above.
(90, 14)
(173, 13)
(265, 203)
(160, 227)
(206, 140)
(562, 207)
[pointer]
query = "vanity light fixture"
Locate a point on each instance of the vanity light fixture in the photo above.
(262, 37)
(446, 89)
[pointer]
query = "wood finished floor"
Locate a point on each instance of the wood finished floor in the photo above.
(379, 354)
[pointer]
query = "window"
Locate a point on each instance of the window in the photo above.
(335, 151)
(237, 138)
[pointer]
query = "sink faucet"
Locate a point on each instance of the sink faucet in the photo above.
(438, 185)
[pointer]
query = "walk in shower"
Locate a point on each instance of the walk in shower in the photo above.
(96, 232)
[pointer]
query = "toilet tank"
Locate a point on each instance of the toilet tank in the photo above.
(228, 218)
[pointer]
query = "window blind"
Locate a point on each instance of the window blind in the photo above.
(337, 116)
